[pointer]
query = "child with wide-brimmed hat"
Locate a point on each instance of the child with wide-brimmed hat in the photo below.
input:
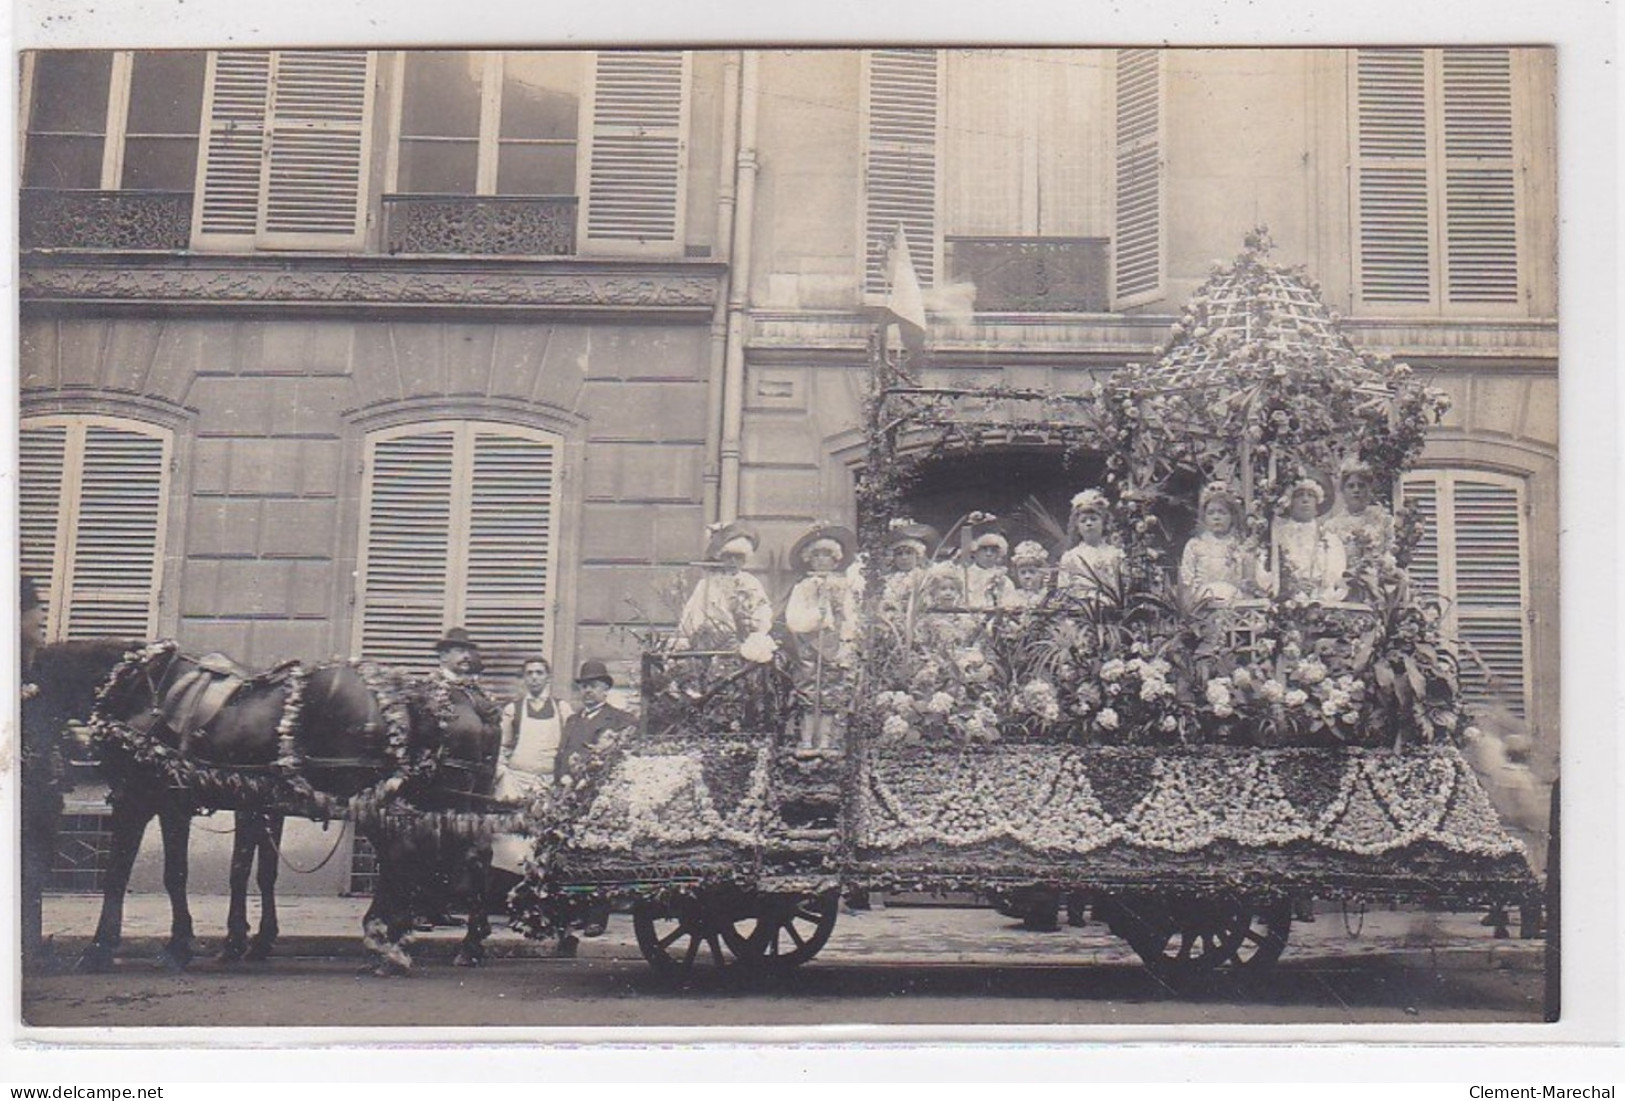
(727, 605)
(822, 617)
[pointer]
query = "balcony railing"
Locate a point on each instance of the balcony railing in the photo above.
(153, 221)
(480, 225)
(1033, 274)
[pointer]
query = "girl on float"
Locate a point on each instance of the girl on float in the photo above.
(1090, 562)
(1214, 564)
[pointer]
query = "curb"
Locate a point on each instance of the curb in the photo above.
(1521, 956)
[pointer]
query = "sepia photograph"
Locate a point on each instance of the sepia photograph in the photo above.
(709, 537)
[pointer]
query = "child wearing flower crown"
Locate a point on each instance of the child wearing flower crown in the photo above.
(1311, 561)
(1090, 561)
(1031, 562)
(987, 582)
(1366, 528)
(1214, 564)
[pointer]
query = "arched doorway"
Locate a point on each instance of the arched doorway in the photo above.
(1016, 484)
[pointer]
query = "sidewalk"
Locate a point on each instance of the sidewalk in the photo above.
(915, 936)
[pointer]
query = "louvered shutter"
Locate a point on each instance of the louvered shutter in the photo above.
(93, 506)
(637, 166)
(900, 161)
(315, 178)
(509, 580)
(44, 503)
(459, 532)
(407, 547)
(1437, 188)
(1481, 238)
(1137, 250)
(1472, 556)
(1396, 234)
(229, 171)
(1491, 599)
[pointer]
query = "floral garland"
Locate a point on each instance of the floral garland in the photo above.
(1047, 800)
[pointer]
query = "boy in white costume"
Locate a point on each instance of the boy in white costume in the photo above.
(727, 605)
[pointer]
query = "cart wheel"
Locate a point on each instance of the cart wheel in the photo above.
(1263, 930)
(785, 932)
(1186, 940)
(682, 939)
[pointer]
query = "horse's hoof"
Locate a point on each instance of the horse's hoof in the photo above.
(389, 969)
(258, 952)
(171, 960)
(95, 961)
(465, 958)
(231, 954)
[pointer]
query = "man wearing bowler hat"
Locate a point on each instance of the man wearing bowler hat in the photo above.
(459, 658)
(592, 720)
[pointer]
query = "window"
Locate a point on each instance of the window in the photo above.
(1028, 146)
(1473, 557)
(1437, 188)
(489, 123)
(286, 158)
(106, 120)
(457, 530)
(93, 503)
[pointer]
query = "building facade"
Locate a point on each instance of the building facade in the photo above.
(325, 351)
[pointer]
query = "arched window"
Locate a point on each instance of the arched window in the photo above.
(1473, 556)
(93, 507)
(458, 529)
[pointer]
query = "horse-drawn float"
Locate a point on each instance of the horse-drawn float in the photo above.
(1186, 746)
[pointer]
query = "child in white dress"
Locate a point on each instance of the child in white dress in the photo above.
(987, 582)
(1311, 561)
(1091, 562)
(1031, 562)
(1214, 564)
(727, 605)
(1365, 527)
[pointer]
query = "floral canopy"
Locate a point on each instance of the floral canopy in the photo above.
(1260, 385)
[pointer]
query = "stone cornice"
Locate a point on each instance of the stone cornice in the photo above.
(637, 290)
(1059, 340)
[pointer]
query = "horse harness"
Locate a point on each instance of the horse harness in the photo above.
(197, 696)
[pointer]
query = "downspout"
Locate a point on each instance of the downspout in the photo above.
(733, 381)
(727, 157)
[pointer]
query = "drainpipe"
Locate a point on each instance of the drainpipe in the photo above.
(733, 381)
(727, 157)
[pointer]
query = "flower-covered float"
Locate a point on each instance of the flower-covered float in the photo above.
(1184, 741)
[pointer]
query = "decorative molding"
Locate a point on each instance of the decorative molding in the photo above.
(327, 284)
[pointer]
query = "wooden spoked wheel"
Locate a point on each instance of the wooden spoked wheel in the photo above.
(1185, 940)
(684, 938)
(763, 933)
(784, 932)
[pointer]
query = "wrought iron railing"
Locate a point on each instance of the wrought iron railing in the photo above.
(155, 221)
(480, 225)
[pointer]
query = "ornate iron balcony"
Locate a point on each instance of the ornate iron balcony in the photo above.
(480, 225)
(112, 220)
(1033, 274)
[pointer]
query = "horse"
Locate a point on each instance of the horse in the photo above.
(434, 841)
(180, 733)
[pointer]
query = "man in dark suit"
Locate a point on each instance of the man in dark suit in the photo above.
(595, 717)
(592, 720)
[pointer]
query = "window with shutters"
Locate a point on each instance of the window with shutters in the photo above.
(1438, 180)
(93, 501)
(457, 531)
(1473, 556)
(489, 123)
(285, 157)
(635, 185)
(1030, 166)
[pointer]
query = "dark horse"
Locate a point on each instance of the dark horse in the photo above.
(178, 734)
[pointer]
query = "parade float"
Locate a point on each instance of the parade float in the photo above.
(1189, 766)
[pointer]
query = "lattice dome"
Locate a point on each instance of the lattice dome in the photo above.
(1250, 315)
